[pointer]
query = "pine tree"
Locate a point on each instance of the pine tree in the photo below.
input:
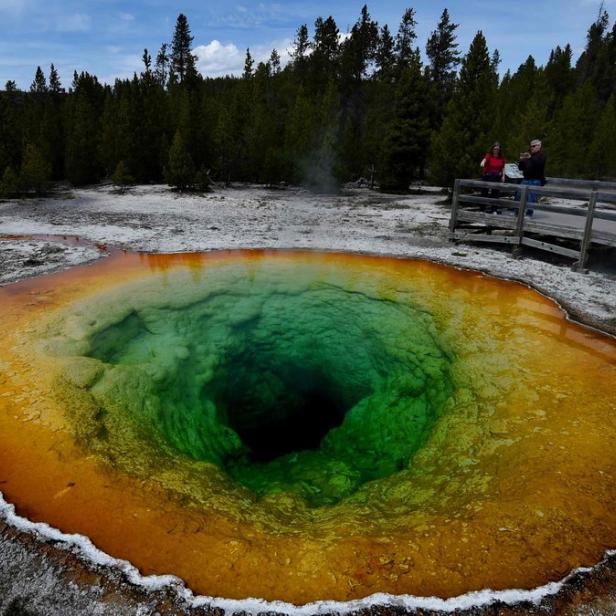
(299, 136)
(405, 40)
(384, 57)
(55, 87)
(39, 85)
(442, 51)
(465, 133)
(407, 139)
(572, 131)
(359, 49)
(274, 62)
(595, 42)
(121, 177)
(249, 64)
(161, 72)
(180, 170)
(326, 50)
(11, 129)
(146, 58)
(35, 171)
(301, 45)
(602, 154)
(182, 58)
(83, 130)
(299, 55)
(9, 184)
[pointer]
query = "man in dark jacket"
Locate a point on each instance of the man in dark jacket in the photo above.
(532, 165)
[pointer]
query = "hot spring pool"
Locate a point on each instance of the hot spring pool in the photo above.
(301, 426)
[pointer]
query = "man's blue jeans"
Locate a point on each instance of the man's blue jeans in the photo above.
(532, 197)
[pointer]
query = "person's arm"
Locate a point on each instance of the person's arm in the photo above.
(503, 174)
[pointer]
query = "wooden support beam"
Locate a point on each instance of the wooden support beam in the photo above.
(491, 239)
(455, 204)
(560, 250)
(519, 223)
(581, 264)
(490, 201)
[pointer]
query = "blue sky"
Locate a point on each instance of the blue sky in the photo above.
(107, 37)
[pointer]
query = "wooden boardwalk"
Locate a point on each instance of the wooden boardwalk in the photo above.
(587, 218)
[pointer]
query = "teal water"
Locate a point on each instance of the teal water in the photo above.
(313, 389)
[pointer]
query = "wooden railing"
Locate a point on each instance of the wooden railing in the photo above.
(592, 201)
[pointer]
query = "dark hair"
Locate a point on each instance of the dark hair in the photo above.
(496, 144)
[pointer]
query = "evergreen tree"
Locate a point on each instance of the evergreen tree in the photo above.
(595, 44)
(405, 40)
(408, 137)
(182, 58)
(121, 177)
(146, 58)
(274, 62)
(602, 154)
(35, 171)
(326, 49)
(560, 76)
(39, 85)
(384, 57)
(249, 64)
(299, 136)
(442, 51)
(572, 131)
(161, 72)
(299, 55)
(9, 184)
(301, 45)
(359, 49)
(11, 129)
(180, 171)
(55, 87)
(83, 165)
(466, 130)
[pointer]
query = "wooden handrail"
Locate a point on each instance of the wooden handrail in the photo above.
(592, 195)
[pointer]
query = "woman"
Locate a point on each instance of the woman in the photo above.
(493, 165)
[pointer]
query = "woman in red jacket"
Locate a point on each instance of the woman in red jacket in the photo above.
(493, 165)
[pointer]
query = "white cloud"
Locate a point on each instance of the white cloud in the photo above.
(127, 17)
(78, 22)
(216, 59)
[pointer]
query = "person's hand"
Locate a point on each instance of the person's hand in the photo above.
(524, 155)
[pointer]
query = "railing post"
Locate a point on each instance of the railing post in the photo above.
(587, 237)
(519, 225)
(455, 204)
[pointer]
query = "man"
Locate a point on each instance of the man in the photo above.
(532, 165)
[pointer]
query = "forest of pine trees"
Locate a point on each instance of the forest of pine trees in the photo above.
(343, 108)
